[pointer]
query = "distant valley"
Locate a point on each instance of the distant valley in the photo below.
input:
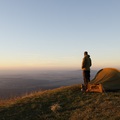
(16, 84)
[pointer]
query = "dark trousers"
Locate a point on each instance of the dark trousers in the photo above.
(86, 76)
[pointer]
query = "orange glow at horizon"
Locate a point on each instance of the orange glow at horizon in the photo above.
(40, 65)
(51, 64)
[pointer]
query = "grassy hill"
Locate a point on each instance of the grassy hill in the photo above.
(65, 103)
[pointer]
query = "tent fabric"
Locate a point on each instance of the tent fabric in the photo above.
(94, 88)
(109, 78)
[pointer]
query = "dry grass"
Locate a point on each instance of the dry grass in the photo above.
(66, 103)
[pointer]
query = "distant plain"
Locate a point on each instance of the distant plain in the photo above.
(16, 84)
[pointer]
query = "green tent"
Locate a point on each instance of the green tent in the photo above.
(109, 78)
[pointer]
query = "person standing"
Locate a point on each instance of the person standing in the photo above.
(86, 64)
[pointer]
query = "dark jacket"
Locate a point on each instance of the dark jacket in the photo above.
(86, 63)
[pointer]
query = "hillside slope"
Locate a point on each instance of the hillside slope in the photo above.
(72, 104)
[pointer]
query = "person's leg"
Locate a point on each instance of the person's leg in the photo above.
(85, 77)
(88, 76)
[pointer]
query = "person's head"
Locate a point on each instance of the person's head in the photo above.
(85, 53)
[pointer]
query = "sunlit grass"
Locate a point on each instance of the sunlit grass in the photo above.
(65, 103)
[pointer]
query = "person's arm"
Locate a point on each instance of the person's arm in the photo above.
(90, 62)
(83, 63)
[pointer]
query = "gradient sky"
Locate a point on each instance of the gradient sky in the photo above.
(53, 34)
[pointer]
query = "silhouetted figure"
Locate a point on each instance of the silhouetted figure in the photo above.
(86, 64)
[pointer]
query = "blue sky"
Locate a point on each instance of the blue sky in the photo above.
(53, 34)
